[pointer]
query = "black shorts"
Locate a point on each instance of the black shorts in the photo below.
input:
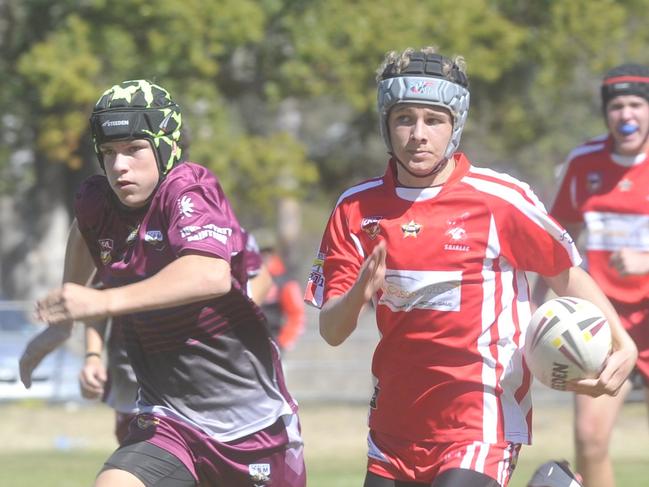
(151, 464)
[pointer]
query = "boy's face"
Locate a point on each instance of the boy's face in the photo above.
(419, 136)
(131, 169)
(627, 118)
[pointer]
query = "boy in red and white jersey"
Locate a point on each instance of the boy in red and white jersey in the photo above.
(604, 188)
(441, 247)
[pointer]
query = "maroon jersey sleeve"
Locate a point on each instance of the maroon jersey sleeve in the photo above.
(199, 216)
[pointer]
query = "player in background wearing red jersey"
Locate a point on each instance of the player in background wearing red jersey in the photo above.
(441, 247)
(604, 189)
(213, 405)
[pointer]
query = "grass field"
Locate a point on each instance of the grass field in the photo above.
(57, 446)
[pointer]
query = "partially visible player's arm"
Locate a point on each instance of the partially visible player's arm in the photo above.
(188, 279)
(293, 309)
(78, 268)
(339, 315)
(259, 285)
(93, 376)
(578, 283)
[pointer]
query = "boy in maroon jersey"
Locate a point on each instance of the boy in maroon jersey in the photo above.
(441, 247)
(604, 190)
(213, 405)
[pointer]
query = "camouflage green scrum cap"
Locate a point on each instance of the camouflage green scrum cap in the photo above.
(139, 109)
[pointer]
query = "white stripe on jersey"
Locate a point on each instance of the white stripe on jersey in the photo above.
(357, 189)
(516, 428)
(524, 187)
(467, 458)
(482, 457)
(490, 404)
(503, 466)
(357, 244)
(535, 213)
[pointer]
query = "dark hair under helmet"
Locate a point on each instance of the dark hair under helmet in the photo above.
(626, 79)
(139, 109)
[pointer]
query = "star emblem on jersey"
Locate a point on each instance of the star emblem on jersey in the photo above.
(411, 229)
(370, 225)
(185, 206)
(625, 185)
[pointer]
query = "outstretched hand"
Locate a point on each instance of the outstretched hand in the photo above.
(372, 273)
(618, 367)
(39, 347)
(72, 302)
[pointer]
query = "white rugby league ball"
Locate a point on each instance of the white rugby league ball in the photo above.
(567, 338)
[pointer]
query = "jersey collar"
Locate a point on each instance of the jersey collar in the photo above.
(421, 194)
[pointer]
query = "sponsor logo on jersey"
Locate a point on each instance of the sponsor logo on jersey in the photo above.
(593, 181)
(370, 225)
(259, 473)
(193, 233)
(145, 421)
(405, 290)
(105, 250)
(185, 206)
(411, 229)
(132, 236)
(155, 239)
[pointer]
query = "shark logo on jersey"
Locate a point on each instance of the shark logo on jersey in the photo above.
(370, 225)
(593, 181)
(411, 229)
(186, 206)
(105, 250)
(456, 233)
(259, 473)
(155, 239)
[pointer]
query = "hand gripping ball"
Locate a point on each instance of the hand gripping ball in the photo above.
(567, 338)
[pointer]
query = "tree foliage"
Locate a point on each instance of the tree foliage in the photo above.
(279, 95)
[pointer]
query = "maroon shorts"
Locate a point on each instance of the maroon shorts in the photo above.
(271, 457)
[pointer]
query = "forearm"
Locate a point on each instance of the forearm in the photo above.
(94, 334)
(339, 316)
(78, 266)
(190, 278)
